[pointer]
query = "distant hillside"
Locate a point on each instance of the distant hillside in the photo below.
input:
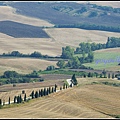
(70, 13)
(19, 30)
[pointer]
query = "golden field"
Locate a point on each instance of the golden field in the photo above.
(83, 101)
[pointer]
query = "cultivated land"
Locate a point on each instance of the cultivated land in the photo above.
(9, 13)
(106, 54)
(87, 100)
(24, 65)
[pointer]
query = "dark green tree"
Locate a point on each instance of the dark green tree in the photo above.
(36, 94)
(74, 80)
(9, 100)
(0, 102)
(32, 94)
(15, 99)
(108, 75)
(20, 97)
(39, 93)
(113, 76)
(55, 88)
(52, 89)
(49, 90)
(25, 97)
(61, 63)
(42, 92)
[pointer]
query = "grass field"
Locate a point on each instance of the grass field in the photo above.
(87, 100)
(106, 54)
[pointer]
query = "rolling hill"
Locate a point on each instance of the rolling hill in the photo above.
(85, 101)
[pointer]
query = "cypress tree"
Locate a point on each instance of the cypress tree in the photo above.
(49, 90)
(52, 90)
(15, 98)
(74, 80)
(32, 94)
(39, 93)
(0, 102)
(25, 97)
(36, 94)
(44, 92)
(9, 100)
(108, 75)
(113, 76)
(20, 99)
(55, 87)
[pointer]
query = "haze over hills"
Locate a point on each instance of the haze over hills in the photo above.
(45, 29)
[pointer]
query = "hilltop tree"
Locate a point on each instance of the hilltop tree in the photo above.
(74, 80)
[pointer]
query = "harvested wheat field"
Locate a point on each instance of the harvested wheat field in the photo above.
(73, 36)
(83, 101)
(24, 65)
(7, 91)
(28, 45)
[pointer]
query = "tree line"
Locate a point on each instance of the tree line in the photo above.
(112, 42)
(90, 27)
(40, 93)
(35, 54)
(10, 77)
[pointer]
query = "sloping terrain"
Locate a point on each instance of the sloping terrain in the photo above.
(8, 13)
(19, 30)
(85, 101)
(24, 65)
(68, 12)
(106, 54)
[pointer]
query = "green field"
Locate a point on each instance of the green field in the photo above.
(108, 54)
